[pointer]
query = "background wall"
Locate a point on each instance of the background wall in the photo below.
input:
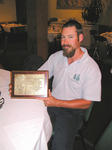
(105, 19)
(106, 16)
(63, 13)
(7, 11)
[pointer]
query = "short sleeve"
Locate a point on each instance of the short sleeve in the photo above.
(92, 85)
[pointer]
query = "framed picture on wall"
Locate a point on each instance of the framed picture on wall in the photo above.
(72, 4)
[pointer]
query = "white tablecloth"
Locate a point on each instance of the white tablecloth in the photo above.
(24, 123)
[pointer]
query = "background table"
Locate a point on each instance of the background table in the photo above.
(13, 27)
(24, 123)
(54, 30)
(108, 36)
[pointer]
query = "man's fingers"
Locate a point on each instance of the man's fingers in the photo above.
(49, 93)
(10, 89)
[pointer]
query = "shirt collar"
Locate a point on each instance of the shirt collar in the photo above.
(84, 55)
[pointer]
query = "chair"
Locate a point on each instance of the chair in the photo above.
(96, 128)
(15, 41)
(105, 142)
(100, 46)
(107, 64)
(32, 62)
(79, 141)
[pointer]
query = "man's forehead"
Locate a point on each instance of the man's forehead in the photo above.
(69, 29)
(69, 32)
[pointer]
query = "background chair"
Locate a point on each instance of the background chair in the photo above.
(32, 62)
(96, 128)
(105, 142)
(100, 46)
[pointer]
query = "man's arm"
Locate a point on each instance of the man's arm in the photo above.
(76, 103)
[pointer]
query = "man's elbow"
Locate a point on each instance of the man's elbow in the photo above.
(87, 104)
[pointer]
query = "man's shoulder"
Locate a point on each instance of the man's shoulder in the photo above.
(57, 54)
(93, 66)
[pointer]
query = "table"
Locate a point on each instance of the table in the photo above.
(13, 26)
(24, 123)
(54, 30)
(108, 36)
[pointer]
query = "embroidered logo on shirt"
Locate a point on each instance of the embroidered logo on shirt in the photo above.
(76, 77)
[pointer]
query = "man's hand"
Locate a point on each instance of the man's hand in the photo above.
(10, 89)
(50, 100)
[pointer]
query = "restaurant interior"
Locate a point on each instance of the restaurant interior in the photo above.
(30, 33)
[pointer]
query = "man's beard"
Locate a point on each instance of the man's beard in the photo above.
(66, 53)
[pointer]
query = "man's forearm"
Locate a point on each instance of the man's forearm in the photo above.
(51, 101)
(78, 103)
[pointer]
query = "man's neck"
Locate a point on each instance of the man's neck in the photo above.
(78, 54)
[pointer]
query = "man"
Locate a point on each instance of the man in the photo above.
(76, 83)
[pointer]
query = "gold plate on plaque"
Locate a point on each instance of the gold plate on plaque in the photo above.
(29, 84)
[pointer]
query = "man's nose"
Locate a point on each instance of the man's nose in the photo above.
(65, 40)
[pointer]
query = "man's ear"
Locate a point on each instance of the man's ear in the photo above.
(81, 37)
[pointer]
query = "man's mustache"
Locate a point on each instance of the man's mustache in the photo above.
(65, 45)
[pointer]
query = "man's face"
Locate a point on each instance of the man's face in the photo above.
(69, 41)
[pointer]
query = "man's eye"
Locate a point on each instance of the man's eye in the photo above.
(70, 37)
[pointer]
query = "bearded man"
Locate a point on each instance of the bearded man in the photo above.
(76, 83)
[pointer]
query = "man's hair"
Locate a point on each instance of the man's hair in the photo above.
(73, 23)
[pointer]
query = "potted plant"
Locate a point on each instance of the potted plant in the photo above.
(92, 12)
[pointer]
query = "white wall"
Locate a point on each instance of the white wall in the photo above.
(8, 11)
